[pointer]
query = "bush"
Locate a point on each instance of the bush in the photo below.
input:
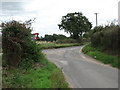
(69, 40)
(97, 29)
(108, 38)
(17, 43)
(96, 39)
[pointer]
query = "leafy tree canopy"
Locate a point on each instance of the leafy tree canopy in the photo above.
(75, 24)
(53, 37)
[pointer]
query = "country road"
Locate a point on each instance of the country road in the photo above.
(82, 71)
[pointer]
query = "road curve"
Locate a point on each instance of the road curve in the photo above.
(82, 71)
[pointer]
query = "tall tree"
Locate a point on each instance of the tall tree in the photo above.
(75, 24)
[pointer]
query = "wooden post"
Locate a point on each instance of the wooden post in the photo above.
(119, 13)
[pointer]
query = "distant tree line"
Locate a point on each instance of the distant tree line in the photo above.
(51, 38)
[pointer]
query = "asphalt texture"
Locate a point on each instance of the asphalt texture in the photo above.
(82, 71)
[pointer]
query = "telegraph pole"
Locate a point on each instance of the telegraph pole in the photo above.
(96, 19)
(119, 13)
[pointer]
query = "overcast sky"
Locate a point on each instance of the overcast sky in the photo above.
(48, 13)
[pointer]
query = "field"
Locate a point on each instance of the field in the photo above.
(50, 45)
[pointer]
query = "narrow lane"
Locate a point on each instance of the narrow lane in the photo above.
(82, 71)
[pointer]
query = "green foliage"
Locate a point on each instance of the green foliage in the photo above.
(49, 38)
(97, 29)
(59, 36)
(17, 44)
(52, 38)
(24, 65)
(88, 48)
(108, 38)
(75, 24)
(0, 43)
(33, 78)
(85, 40)
(0, 70)
(95, 39)
(63, 41)
(90, 33)
(47, 45)
(107, 59)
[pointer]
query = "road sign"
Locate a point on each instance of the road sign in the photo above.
(35, 36)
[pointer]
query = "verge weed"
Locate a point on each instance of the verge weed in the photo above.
(34, 77)
(103, 57)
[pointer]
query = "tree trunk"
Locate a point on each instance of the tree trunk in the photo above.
(75, 36)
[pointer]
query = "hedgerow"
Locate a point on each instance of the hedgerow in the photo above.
(17, 44)
(108, 38)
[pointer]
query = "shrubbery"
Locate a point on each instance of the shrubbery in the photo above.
(17, 44)
(68, 40)
(108, 38)
(97, 29)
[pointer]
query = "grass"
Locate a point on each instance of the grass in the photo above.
(57, 79)
(0, 71)
(50, 45)
(45, 75)
(103, 57)
(0, 59)
(0, 50)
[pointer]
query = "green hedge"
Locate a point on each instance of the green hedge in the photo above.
(108, 38)
(63, 41)
(17, 44)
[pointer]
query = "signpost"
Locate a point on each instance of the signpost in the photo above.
(35, 36)
(119, 13)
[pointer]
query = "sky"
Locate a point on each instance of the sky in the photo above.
(48, 13)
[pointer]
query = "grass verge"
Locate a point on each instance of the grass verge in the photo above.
(1, 72)
(103, 57)
(43, 75)
(52, 45)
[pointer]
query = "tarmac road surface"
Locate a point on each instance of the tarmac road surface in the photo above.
(82, 71)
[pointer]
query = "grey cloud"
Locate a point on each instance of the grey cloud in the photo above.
(12, 7)
(15, 9)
